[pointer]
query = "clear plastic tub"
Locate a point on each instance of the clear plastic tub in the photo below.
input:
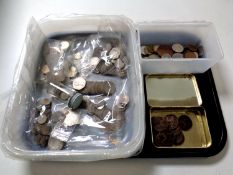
(14, 139)
(202, 33)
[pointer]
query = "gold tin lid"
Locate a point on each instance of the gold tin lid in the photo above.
(172, 91)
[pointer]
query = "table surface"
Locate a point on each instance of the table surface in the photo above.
(14, 16)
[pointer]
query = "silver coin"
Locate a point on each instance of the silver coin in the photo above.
(79, 83)
(177, 55)
(65, 45)
(71, 119)
(42, 119)
(115, 53)
(122, 101)
(166, 55)
(55, 144)
(94, 61)
(177, 48)
(119, 64)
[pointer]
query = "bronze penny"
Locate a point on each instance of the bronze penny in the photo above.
(172, 121)
(192, 48)
(189, 54)
(164, 49)
(185, 122)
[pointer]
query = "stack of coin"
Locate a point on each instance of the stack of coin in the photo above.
(168, 130)
(175, 50)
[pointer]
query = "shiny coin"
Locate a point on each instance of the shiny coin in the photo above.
(155, 48)
(55, 144)
(189, 54)
(45, 69)
(177, 48)
(79, 83)
(78, 56)
(177, 55)
(122, 101)
(94, 61)
(166, 55)
(75, 101)
(71, 119)
(42, 119)
(64, 45)
(115, 53)
(119, 64)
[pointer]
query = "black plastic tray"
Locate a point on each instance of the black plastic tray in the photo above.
(215, 121)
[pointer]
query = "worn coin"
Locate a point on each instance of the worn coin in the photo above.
(79, 83)
(71, 119)
(185, 122)
(45, 69)
(119, 64)
(172, 121)
(115, 53)
(189, 54)
(65, 45)
(177, 55)
(55, 144)
(42, 119)
(177, 48)
(75, 101)
(166, 55)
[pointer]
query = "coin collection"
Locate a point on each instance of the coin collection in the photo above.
(168, 130)
(68, 64)
(175, 51)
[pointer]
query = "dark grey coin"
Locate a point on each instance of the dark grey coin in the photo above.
(55, 144)
(75, 101)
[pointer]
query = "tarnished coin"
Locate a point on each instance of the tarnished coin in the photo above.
(189, 54)
(94, 61)
(115, 53)
(64, 96)
(78, 56)
(122, 101)
(185, 122)
(166, 55)
(71, 119)
(45, 69)
(55, 144)
(79, 83)
(119, 64)
(179, 139)
(192, 48)
(44, 101)
(75, 101)
(164, 49)
(65, 45)
(177, 48)
(172, 121)
(42, 119)
(159, 123)
(72, 72)
(177, 55)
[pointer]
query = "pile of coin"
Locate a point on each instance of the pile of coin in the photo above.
(168, 130)
(175, 50)
(64, 76)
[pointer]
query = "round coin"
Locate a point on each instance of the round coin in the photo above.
(159, 124)
(177, 48)
(179, 139)
(115, 53)
(185, 122)
(166, 55)
(42, 119)
(71, 119)
(94, 61)
(64, 45)
(75, 101)
(189, 54)
(55, 144)
(45, 69)
(155, 48)
(192, 48)
(79, 83)
(172, 121)
(177, 55)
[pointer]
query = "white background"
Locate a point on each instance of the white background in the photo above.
(14, 16)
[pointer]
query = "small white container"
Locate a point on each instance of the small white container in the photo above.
(202, 33)
(16, 119)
